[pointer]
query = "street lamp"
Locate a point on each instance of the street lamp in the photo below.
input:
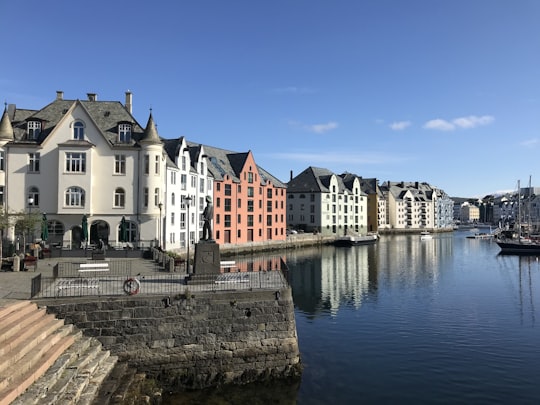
(187, 200)
(160, 206)
(30, 231)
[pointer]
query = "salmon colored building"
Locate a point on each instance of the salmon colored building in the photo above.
(249, 203)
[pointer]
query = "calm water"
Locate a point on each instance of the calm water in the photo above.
(409, 321)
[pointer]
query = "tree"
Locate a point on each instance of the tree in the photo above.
(26, 224)
(4, 224)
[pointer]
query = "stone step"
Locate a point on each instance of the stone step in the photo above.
(33, 365)
(94, 386)
(17, 321)
(9, 307)
(35, 335)
(120, 375)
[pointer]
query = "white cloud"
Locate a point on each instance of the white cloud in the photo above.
(322, 128)
(341, 158)
(400, 125)
(529, 142)
(439, 124)
(473, 121)
(293, 90)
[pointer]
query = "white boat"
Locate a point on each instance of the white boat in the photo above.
(353, 240)
(425, 235)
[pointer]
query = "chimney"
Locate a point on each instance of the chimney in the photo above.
(129, 101)
(92, 96)
(291, 175)
(59, 95)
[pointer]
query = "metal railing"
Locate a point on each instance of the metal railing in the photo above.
(168, 284)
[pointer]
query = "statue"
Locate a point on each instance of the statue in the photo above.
(208, 214)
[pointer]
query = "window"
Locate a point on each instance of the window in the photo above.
(34, 129)
(250, 220)
(227, 204)
(33, 162)
(172, 218)
(145, 202)
(124, 133)
(173, 199)
(156, 164)
(75, 162)
(119, 198)
(1, 195)
(74, 197)
(131, 232)
(250, 205)
(119, 164)
(173, 177)
(146, 164)
(269, 193)
(201, 185)
(227, 221)
(33, 197)
(78, 131)
(250, 192)
(156, 196)
(250, 177)
(269, 206)
(183, 163)
(183, 181)
(2, 160)
(228, 189)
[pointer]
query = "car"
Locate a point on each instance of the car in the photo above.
(291, 232)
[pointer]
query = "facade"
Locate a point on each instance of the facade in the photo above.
(88, 160)
(415, 205)
(249, 203)
(321, 201)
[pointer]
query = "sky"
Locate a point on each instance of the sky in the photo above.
(443, 92)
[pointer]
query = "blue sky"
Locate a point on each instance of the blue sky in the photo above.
(446, 92)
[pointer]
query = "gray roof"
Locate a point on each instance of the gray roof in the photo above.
(105, 114)
(313, 179)
(221, 162)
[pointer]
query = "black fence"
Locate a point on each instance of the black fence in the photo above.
(169, 284)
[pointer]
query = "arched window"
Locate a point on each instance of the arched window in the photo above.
(119, 198)
(78, 130)
(74, 197)
(33, 197)
(173, 199)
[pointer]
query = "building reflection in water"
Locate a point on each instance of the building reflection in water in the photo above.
(325, 278)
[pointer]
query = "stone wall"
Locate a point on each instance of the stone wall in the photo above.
(195, 341)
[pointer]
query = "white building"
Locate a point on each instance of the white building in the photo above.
(89, 158)
(321, 201)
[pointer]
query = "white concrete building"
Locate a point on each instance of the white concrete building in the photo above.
(321, 201)
(89, 158)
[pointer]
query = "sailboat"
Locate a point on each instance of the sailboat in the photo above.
(520, 244)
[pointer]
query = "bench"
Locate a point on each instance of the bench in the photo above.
(232, 278)
(77, 283)
(86, 267)
(227, 265)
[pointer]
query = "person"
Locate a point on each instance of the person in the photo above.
(208, 214)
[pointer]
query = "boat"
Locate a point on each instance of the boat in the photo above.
(353, 240)
(514, 242)
(425, 235)
(480, 235)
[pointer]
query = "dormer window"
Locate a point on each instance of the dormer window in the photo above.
(34, 129)
(78, 131)
(124, 133)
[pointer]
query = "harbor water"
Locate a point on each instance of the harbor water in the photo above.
(447, 320)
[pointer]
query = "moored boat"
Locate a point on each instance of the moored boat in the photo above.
(353, 240)
(425, 235)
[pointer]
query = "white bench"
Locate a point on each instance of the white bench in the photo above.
(227, 265)
(77, 283)
(86, 267)
(232, 278)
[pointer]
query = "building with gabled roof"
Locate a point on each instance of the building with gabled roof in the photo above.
(249, 203)
(319, 200)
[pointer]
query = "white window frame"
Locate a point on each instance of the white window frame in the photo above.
(75, 162)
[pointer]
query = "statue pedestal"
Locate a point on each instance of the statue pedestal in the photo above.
(207, 258)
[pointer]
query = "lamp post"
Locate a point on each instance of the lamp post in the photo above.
(30, 231)
(160, 206)
(187, 200)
